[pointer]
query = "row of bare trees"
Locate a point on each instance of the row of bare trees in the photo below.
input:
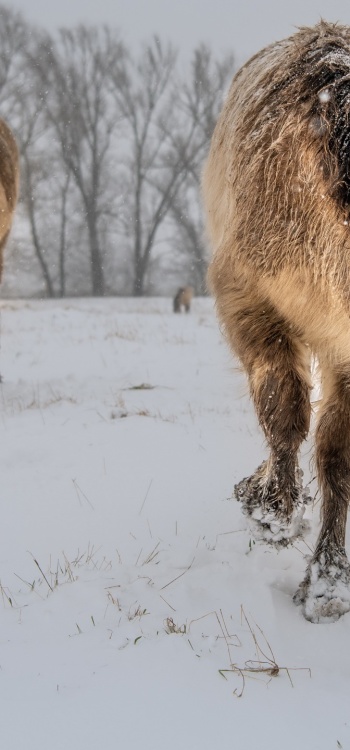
(112, 146)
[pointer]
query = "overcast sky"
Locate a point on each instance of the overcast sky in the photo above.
(239, 26)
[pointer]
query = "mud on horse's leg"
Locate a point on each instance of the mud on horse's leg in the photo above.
(325, 591)
(278, 367)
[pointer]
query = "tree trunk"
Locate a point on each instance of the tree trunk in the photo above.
(62, 253)
(29, 198)
(138, 289)
(96, 264)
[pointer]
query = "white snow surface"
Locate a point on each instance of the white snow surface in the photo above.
(130, 581)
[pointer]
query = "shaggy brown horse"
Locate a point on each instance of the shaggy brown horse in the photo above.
(183, 298)
(9, 175)
(277, 194)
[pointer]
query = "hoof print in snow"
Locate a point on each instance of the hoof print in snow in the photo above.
(273, 517)
(325, 592)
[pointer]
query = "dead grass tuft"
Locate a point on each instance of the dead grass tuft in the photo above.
(265, 663)
(171, 627)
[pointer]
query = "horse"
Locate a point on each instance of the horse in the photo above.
(276, 191)
(183, 298)
(9, 178)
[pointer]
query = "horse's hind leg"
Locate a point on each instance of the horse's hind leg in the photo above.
(278, 367)
(325, 591)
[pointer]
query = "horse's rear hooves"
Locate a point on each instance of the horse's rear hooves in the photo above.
(324, 595)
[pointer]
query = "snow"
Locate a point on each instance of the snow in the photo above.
(324, 96)
(130, 580)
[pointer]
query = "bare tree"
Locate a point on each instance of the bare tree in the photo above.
(111, 153)
(42, 177)
(200, 102)
(75, 72)
(168, 124)
(145, 96)
(14, 33)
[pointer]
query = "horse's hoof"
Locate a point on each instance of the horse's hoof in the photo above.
(265, 507)
(325, 592)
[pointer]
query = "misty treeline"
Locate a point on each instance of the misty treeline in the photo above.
(111, 143)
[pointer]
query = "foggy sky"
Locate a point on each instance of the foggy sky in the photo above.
(238, 26)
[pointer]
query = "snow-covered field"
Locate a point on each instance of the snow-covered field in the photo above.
(137, 612)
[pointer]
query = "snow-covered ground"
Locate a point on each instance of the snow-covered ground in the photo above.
(134, 600)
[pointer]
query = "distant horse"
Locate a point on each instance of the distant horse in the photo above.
(277, 193)
(9, 178)
(183, 298)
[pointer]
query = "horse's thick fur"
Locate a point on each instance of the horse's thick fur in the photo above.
(276, 188)
(9, 177)
(183, 298)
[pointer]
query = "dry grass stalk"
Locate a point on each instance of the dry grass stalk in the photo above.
(265, 664)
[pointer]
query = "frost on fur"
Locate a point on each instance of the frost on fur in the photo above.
(264, 503)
